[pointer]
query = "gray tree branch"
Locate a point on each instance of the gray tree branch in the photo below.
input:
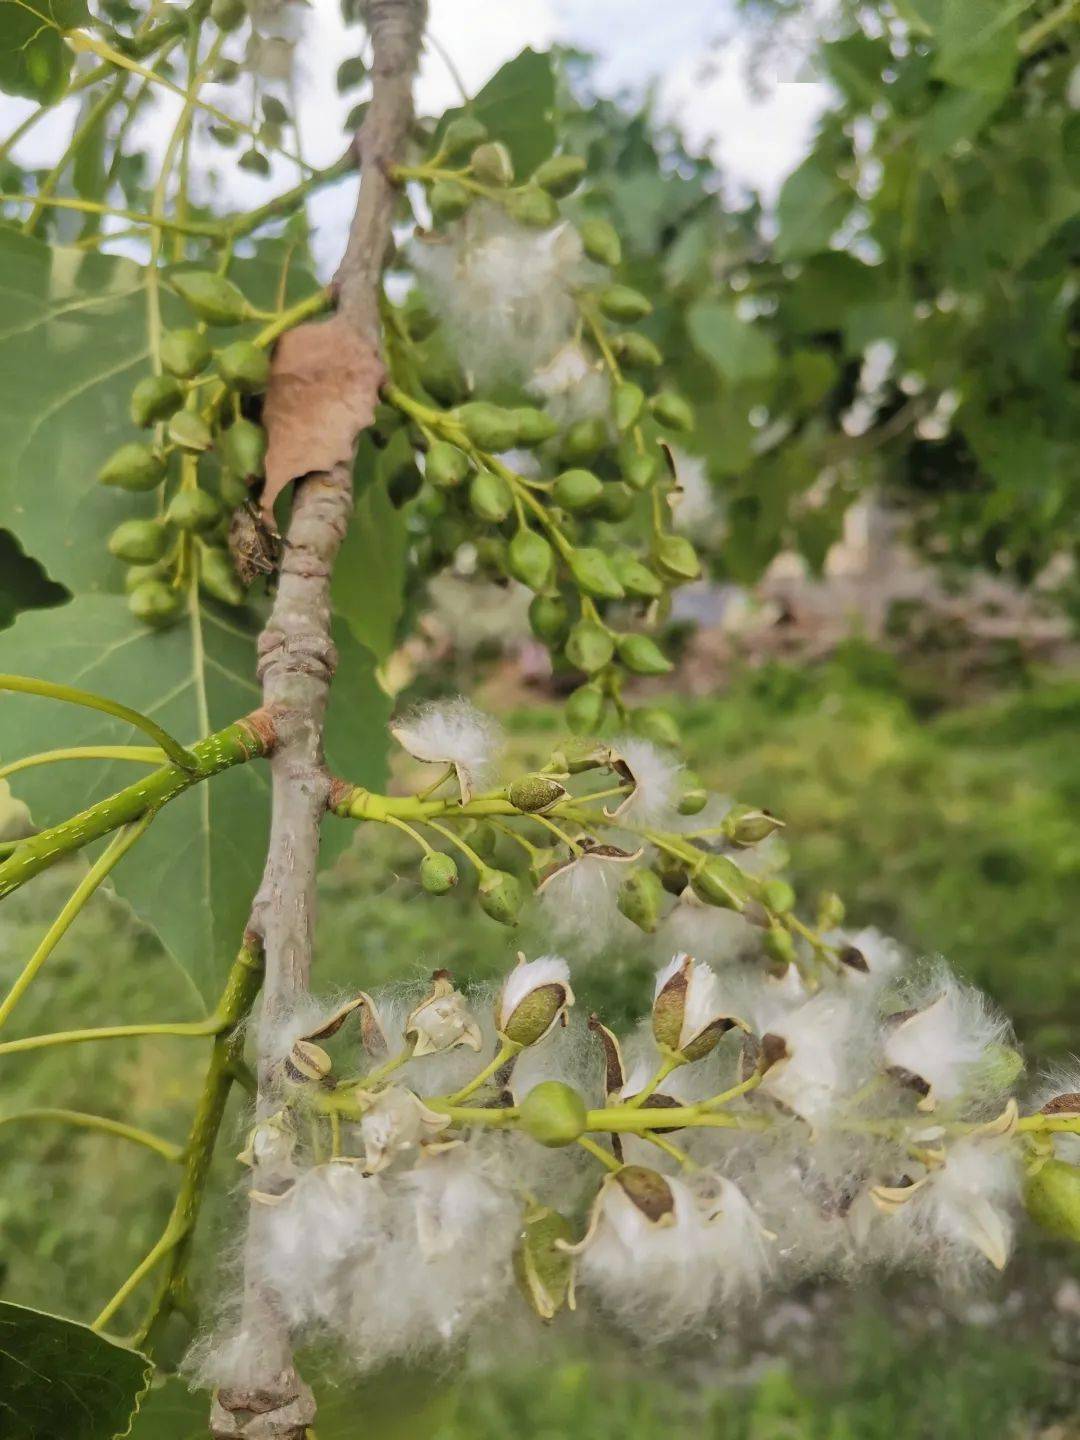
(296, 666)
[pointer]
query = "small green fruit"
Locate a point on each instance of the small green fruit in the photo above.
(461, 136)
(676, 558)
(218, 578)
(636, 351)
(635, 578)
(1052, 1197)
(584, 440)
(601, 241)
(694, 797)
(184, 352)
(154, 399)
(657, 725)
(490, 497)
(533, 426)
(553, 1114)
(193, 510)
(446, 466)
(549, 618)
(748, 824)
(244, 367)
(155, 603)
(620, 302)
(779, 945)
(593, 574)
(627, 404)
(589, 646)
(672, 411)
(228, 15)
(256, 163)
(133, 467)
(639, 471)
(139, 574)
(488, 426)
(438, 873)
(531, 559)
(585, 709)
(560, 175)
(190, 431)
(448, 200)
(532, 207)
(641, 899)
(616, 503)
(500, 896)
(778, 896)
(138, 542)
(243, 448)
(642, 656)
(578, 491)
(719, 881)
(492, 165)
(212, 297)
(232, 490)
(533, 794)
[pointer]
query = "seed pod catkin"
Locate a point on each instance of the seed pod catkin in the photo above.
(155, 603)
(635, 578)
(593, 574)
(492, 165)
(243, 448)
(676, 558)
(641, 899)
(616, 503)
(190, 431)
(533, 426)
(193, 510)
(642, 656)
(133, 467)
(154, 398)
(585, 709)
(217, 576)
(531, 559)
(244, 367)
(620, 302)
(488, 426)
(560, 175)
(500, 896)
(138, 542)
(445, 465)
(448, 200)
(627, 404)
(601, 241)
(212, 297)
(577, 490)
(490, 497)
(672, 411)
(184, 353)
(461, 136)
(438, 873)
(589, 646)
(532, 207)
(636, 351)
(549, 618)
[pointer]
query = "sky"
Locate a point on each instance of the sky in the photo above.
(757, 138)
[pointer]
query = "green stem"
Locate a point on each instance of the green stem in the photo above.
(143, 754)
(599, 1153)
(663, 1070)
(26, 685)
(97, 111)
(1034, 35)
(235, 745)
(116, 849)
(189, 1028)
(470, 854)
(289, 200)
(96, 207)
(165, 1148)
(507, 1050)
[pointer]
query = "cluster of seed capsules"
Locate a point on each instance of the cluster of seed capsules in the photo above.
(193, 407)
(587, 529)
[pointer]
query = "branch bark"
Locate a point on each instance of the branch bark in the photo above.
(296, 666)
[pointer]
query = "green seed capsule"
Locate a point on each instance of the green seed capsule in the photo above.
(672, 411)
(641, 899)
(488, 426)
(671, 873)
(620, 302)
(553, 1114)
(1052, 1198)
(228, 15)
(642, 656)
(446, 466)
(578, 491)
(243, 448)
(636, 351)
(155, 603)
(778, 895)
(184, 352)
(139, 574)
(154, 399)
(212, 297)
(584, 440)
(639, 471)
(531, 559)
(244, 367)
(439, 372)
(585, 709)
(232, 491)
(500, 896)
(491, 164)
(719, 881)
(133, 467)
(533, 794)
(635, 578)
(193, 510)
(560, 175)
(190, 431)
(532, 207)
(351, 74)
(218, 578)
(418, 316)
(627, 404)
(256, 163)
(549, 618)
(589, 647)
(533, 426)
(779, 945)
(601, 241)
(490, 497)
(448, 200)
(617, 502)
(138, 542)
(438, 873)
(593, 574)
(656, 725)
(694, 796)
(461, 136)
(676, 558)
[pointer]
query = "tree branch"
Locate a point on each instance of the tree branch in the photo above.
(296, 665)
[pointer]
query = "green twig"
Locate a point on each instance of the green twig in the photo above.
(165, 1148)
(26, 685)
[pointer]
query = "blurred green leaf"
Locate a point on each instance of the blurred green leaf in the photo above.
(977, 44)
(34, 59)
(812, 205)
(368, 586)
(740, 350)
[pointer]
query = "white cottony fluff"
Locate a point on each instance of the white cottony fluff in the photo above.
(527, 976)
(655, 778)
(504, 292)
(451, 732)
(580, 902)
(703, 1000)
(968, 1202)
(945, 1039)
(573, 385)
(822, 1039)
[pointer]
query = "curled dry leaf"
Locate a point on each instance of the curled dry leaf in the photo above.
(324, 382)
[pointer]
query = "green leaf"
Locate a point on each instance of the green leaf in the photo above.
(192, 877)
(34, 60)
(59, 1379)
(368, 589)
(954, 116)
(516, 105)
(978, 44)
(813, 204)
(740, 350)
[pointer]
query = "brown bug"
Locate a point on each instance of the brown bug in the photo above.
(255, 545)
